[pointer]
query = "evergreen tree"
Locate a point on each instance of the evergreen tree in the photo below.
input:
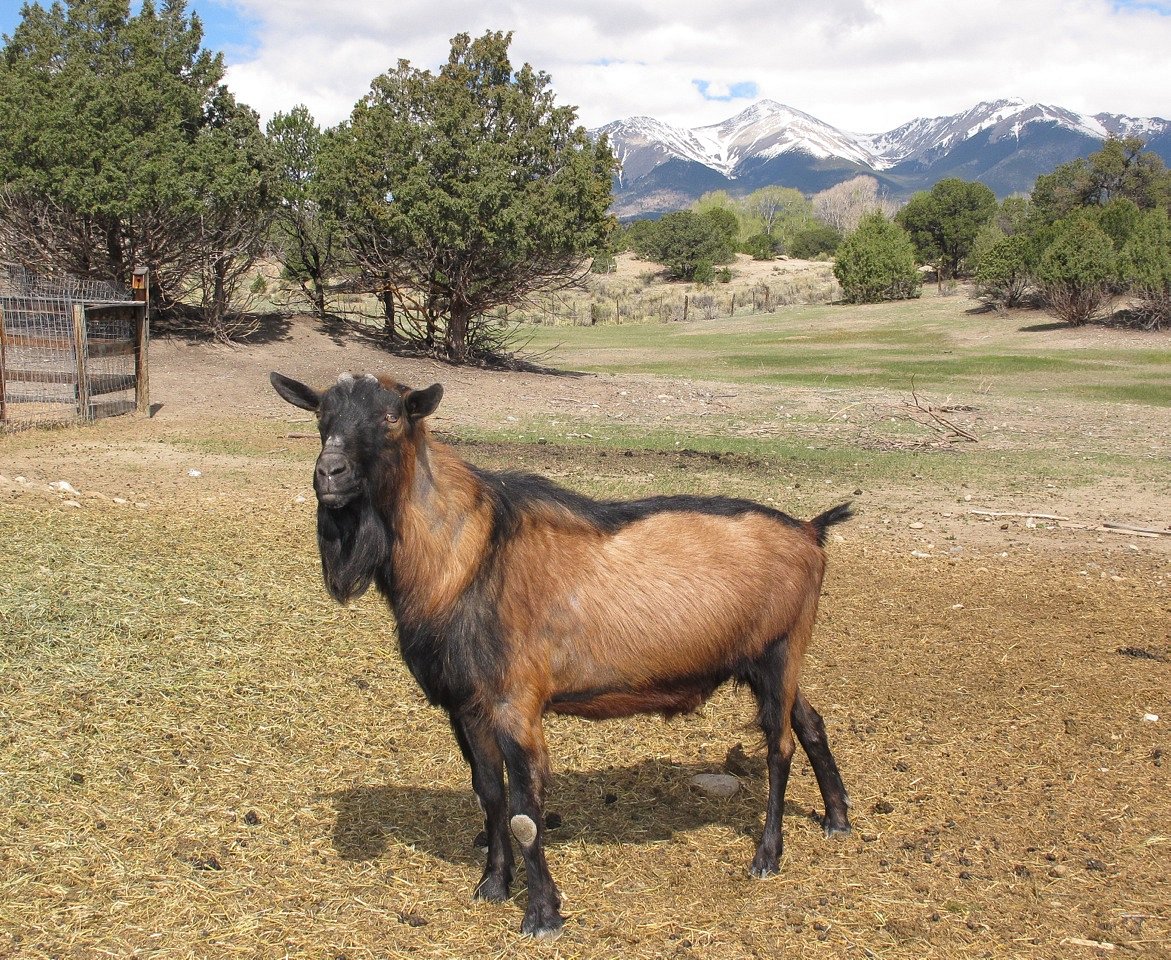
(308, 237)
(684, 240)
(466, 189)
(1144, 266)
(944, 221)
(877, 262)
(120, 145)
(1076, 270)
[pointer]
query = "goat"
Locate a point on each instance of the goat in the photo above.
(514, 597)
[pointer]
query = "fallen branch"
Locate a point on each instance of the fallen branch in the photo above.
(1122, 527)
(942, 421)
(1014, 513)
(1106, 528)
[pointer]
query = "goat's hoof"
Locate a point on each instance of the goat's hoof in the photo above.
(544, 923)
(492, 888)
(832, 830)
(764, 866)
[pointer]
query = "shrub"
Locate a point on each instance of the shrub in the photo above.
(815, 241)
(1076, 270)
(877, 262)
(604, 263)
(704, 272)
(682, 241)
(760, 246)
(1004, 268)
(1144, 266)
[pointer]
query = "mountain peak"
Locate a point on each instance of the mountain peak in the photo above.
(1005, 142)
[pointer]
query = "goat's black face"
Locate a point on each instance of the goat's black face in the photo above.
(360, 419)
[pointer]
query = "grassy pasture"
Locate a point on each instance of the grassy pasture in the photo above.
(202, 756)
(932, 345)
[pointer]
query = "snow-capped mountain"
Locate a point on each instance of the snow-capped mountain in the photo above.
(1004, 143)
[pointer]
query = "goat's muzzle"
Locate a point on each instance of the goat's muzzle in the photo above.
(335, 481)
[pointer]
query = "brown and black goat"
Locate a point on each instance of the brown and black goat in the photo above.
(515, 597)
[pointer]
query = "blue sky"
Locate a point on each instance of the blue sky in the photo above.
(862, 65)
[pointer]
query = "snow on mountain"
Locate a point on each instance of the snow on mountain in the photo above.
(1120, 125)
(1004, 143)
(926, 138)
(764, 130)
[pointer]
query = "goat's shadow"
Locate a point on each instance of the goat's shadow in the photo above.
(645, 803)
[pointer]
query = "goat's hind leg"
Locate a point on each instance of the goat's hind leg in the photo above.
(483, 755)
(810, 730)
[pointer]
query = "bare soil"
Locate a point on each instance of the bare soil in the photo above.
(262, 778)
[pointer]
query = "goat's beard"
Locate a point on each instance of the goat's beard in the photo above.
(354, 544)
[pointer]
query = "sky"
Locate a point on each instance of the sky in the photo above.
(865, 66)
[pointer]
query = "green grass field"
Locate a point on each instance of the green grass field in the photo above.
(936, 343)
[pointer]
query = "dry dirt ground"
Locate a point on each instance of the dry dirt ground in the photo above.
(202, 757)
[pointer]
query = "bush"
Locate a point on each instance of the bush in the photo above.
(683, 240)
(1144, 266)
(815, 241)
(1004, 269)
(604, 263)
(1076, 270)
(704, 272)
(761, 246)
(877, 262)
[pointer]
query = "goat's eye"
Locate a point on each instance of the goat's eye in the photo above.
(391, 418)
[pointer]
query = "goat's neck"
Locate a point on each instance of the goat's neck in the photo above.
(441, 527)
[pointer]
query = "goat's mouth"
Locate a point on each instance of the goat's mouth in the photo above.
(336, 499)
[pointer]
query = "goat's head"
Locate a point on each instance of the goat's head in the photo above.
(364, 421)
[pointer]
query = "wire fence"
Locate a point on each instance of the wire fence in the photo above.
(70, 350)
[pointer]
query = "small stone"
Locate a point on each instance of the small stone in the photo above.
(916, 526)
(715, 784)
(70, 503)
(194, 473)
(121, 501)
(1151, 717)
(63, 487)
(1058, 871)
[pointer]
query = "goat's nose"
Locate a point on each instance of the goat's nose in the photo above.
(332, 466)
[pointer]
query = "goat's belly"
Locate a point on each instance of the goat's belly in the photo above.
(668, 699)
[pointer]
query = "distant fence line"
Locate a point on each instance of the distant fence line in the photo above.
(600, 306)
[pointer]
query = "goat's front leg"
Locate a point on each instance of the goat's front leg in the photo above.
(528, 769)
(481, 751)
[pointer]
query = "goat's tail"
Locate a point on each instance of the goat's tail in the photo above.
(823, 521)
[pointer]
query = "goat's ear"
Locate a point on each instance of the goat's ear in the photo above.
(423, 403)
(294, 392)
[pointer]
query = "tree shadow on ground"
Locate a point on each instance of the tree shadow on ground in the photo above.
(645, 803)
(1045, 327)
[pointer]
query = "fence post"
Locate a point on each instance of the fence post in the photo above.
(82, 366)
(141, 291)
(732, 309)
(685, 299)
(3, 371)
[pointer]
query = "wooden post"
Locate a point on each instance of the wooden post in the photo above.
(685, 298)
(732, 309)
(141, 290)
(81, 365)
(3, 371)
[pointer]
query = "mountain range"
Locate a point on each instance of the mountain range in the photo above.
(1005, 144)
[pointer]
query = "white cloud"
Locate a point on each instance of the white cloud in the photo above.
(863, 65)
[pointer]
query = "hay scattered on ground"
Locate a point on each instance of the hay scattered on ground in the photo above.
(203, 757)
